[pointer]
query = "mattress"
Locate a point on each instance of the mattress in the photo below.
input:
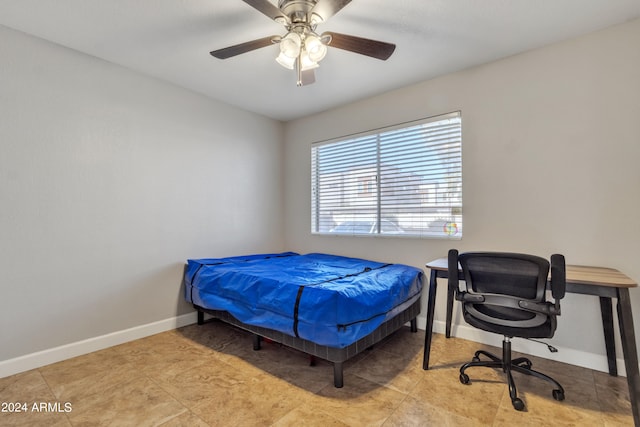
(327, 299)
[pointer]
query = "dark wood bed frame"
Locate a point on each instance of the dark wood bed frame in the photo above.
(333, 354)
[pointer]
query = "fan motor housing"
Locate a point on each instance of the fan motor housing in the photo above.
(296, 9)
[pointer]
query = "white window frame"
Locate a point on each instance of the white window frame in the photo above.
(403, 181)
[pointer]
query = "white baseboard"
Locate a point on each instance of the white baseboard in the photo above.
(593, 361)
(67, 351)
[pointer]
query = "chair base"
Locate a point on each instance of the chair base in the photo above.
(520, 364)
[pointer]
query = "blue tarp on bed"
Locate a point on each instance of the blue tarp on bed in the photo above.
(330, 300)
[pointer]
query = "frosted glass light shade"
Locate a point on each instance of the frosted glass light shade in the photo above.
(290, 45)
(306, 63)
(315, 48)
(286, 61)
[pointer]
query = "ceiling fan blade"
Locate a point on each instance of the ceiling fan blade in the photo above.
(325, 9)
(230, 51)
(267, 8)
(368, 47)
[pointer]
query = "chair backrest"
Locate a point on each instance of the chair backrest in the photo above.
(506, 292)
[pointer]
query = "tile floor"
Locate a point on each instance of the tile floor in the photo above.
(209, 375)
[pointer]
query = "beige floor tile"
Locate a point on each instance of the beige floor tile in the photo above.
(259, 401)
(34, 419)
(220, 337)
(306, 416)
(359, 403)
(580, 407)
(229, 344)
(23, 395)
(185, 419)
(25, 386)
(420, 412)
(163, 355)
(137, 402)
(450, 352)
(403, 343)
(235, 347)
(478, 401)
(613, 396)
(86, 375)
(398, 372)
(562, 372)
(7, 382)
(213, 380)
(295, 368)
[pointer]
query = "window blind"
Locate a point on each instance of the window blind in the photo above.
(404, 180)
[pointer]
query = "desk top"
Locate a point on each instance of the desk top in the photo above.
(580, 274)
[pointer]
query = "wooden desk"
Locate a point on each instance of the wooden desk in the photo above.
(605, 283)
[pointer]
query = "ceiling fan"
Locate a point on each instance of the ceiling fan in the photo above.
(301, 48)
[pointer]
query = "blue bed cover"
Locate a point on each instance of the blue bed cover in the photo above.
(327, 299)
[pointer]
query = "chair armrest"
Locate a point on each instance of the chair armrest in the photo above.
(558, 276)
(540, 307)
(467, 297)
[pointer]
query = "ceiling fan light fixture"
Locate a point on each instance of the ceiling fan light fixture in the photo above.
(301, 48)
(290, 45)
(314, 48)
(306, 63)
(286, 61)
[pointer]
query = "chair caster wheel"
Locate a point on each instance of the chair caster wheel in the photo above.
(558, 395)
(464, 378)
(518, 404)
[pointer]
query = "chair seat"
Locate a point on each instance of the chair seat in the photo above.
(546, 330)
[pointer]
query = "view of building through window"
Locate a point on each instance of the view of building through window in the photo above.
(404, 180)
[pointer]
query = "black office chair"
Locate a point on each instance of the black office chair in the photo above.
(505, 294)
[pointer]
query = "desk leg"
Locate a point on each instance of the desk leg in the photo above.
(450, 298)
(431, 306)
(627, 333)
(609, 340)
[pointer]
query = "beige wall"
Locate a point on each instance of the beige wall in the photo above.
(551, 148)
(109, 181)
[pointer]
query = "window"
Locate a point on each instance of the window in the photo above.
(403, 180)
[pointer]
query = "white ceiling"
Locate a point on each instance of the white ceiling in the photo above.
(171, 40)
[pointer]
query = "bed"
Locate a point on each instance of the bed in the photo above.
(328, 306)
